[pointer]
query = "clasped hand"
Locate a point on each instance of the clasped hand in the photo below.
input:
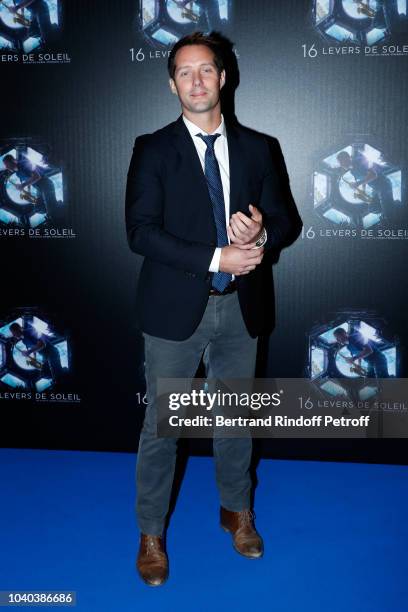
(240, 257)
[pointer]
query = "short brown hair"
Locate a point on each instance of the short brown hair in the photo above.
(197, 38)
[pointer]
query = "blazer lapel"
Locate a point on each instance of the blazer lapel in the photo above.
(184, 144)
(236, 165)
(185, 147)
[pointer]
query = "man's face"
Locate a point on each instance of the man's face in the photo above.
(344, 160)
(196, 79)
(10, 165)
(341, 337)
(16, 332)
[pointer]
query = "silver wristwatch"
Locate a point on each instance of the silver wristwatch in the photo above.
(261, 240)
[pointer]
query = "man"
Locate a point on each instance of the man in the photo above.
(363, 349)
(207, 208)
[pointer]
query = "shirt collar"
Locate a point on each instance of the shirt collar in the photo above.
(194, 129)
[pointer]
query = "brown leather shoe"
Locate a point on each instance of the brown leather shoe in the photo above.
(245, 538)
(152, 562)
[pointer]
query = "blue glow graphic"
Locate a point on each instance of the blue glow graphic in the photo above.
(13, 381)
(7, 217)
(320, 187)
(367, 392)
(63, 352)
(395, 179)
(391, 355)
(165, 37)
(333, 389)
(42, 328)
(35, 158)
(375, 35)
(317, 361)
(402, 7)
(5, 43)
(148, 12)
(31, 43)
(58, 186)
(341, 34)
(53, 7)
(368, 332)
(37, 219)
(322, 10)
(336, 216)
(371, 219)
(43, 384)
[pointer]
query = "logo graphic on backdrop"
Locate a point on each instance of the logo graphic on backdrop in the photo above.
(359, 27)
(32, 200)
(354, 346)
(29, 31)
(35, 359)
(358, 189)
(163, 22)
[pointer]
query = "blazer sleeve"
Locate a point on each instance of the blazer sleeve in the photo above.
(144, 215)
(280, 216)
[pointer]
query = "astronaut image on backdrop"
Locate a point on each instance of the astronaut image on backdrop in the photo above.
(37, 343)
(367, 173)
(364, 9)
(29, 175)
(208, 18)
(363, 349)
(40, 21)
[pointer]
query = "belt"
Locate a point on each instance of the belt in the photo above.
(230, 288)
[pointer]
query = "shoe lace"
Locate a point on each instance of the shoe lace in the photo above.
(152, 546)
(246, 517)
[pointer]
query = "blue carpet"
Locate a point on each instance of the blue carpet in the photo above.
(335, 535)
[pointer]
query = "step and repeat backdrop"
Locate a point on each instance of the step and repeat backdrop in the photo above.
(79, 81)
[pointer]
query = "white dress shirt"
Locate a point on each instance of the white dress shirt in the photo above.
(221, 154)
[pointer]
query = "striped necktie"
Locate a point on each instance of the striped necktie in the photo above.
(212, 173)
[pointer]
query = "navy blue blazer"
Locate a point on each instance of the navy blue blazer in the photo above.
(169, 220)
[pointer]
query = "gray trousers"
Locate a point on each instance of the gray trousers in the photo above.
(228, 351)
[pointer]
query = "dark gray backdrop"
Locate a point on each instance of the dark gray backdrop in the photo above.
(90, 111)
